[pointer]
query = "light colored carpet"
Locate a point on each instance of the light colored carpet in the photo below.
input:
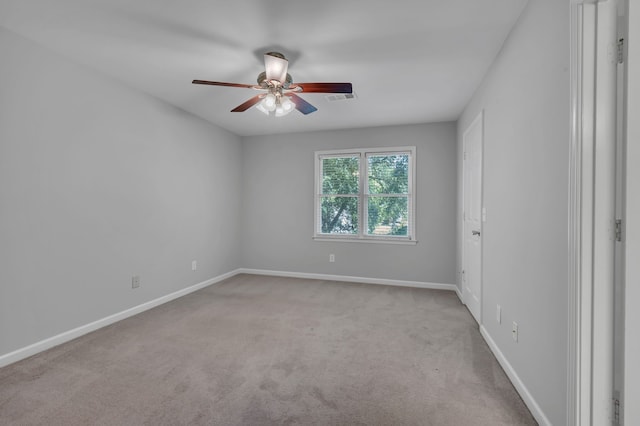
(257, 350)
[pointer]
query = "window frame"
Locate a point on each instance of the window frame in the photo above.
(363, 195)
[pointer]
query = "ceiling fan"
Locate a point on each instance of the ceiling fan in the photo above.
(279, 93)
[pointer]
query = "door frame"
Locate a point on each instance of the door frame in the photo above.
(479, 118)
(591, 212)
(631, 228)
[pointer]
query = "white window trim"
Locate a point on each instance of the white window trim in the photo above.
(362, 237)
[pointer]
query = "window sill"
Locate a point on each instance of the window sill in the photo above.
(366, 240)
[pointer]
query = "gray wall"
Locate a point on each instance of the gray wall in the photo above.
(97, 183)
(525, 97)
(278, 206)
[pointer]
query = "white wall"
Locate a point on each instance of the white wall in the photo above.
(97, 183)
(632, 227)
(525, 97)
(278, 206)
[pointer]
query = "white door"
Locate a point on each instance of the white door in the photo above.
(472, 214)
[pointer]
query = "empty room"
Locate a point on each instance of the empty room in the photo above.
(319, 213)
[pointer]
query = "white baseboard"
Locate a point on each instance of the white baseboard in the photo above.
(459, 293)
(535, 409)
(45, 344)
(365, 280)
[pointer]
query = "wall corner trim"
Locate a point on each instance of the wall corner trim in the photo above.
(35, 348)
(528, 399)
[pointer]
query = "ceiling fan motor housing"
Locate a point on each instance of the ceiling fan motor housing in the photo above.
(262, 80)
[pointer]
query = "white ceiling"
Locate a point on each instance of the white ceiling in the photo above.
(410, 61)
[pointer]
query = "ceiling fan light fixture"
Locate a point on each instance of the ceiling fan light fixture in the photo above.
(287, 105)
(269, 101)
(267, 104)
(281, 112)
(276, 105)
(260, 107)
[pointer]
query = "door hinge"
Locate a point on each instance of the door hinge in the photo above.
(618, 229)
(621, 51)
(616, 412)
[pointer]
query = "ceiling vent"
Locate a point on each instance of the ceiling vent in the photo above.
(340, 97)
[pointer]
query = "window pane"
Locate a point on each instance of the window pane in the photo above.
(339, 215)
(340, 175)
(388, 174)
(388, 216)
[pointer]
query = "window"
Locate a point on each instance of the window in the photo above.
(365, 194)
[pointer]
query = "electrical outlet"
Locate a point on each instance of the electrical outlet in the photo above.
(514, 331)
(135, 281)
(194, 265)
(332, 257)
(499, 314)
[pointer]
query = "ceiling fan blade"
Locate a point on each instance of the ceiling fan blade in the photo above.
(324, 87)
(276, 67)
(248, 104)
(302, 105)
(219, 83)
